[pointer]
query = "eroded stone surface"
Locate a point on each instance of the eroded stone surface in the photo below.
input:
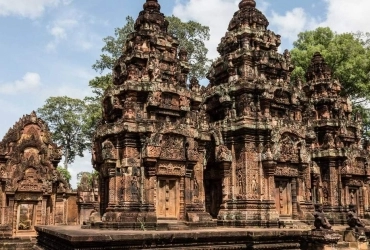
(32, 192)
(251, 148)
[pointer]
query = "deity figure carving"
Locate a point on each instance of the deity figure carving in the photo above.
(353, 221)
(321, 222)
(223, 154)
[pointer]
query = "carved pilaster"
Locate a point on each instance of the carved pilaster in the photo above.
(226, 182)
(182, 198)
(294, 198)
(112, 186)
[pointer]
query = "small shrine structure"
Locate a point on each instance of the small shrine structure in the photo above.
(32, 192)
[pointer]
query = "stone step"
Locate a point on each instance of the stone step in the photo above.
(290, 223)
(177, 227)
(23, 243)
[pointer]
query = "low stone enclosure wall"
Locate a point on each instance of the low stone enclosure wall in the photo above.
(73, 238)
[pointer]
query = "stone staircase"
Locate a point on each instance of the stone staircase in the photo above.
(21, 243)
(171, 225)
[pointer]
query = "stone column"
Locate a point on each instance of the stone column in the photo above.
(366, 198)
(182, 198)
(112, 186)
(226, 182)
(2, 204)
(188, 189)
(43, 211)
(340, 190)
(333, 193)
(294, 198)
(233, 174)
(361, 202)
(14, 217)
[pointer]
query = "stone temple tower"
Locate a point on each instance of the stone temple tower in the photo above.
(147, 150)
(249, 101)
(250, 149)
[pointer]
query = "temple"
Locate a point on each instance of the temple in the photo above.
(250, 149)
(32, 191)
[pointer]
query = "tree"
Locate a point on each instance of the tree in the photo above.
(91, 118)
(66, 119)
(64, 173)
(347, 54)
(191, 36)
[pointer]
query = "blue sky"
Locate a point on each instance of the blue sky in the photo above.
(47, 47)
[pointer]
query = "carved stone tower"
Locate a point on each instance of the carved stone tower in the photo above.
(339, 167)
(253, 109)
(147, 150)
(250, 149)
(32, 191)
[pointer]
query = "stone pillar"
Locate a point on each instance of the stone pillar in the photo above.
(233, 174)
(294, 198)
(334, 197)
(182, 198)
(2, 204)
(112, 186)
(226, 182)
(340, 189)
(14, 216)
(43, 211)
(188, 189)
(361, 202)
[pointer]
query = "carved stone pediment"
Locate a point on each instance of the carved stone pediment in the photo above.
(30, 157)
(173, 147)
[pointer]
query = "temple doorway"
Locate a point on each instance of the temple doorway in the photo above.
(283, 197)
(213, 196)
(168, 201)
(26, 217)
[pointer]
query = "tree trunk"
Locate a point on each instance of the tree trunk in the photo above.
(66, 159)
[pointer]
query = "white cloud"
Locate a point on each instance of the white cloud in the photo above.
(59, 30)
(348, 16)
(28, 8)
(74, 28)
(292, 23)
(29, 81)
(201, 11)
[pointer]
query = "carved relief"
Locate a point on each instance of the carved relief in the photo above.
(171, 169)
(260, 118)
(173, 147)
(223, 154)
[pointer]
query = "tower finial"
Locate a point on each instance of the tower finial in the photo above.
(152, 4)
(247, 4)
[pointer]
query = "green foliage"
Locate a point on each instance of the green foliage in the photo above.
(66, 119)
(347, 54)
(191, 36)
(64, 173)
(91, 118)
(112, 49)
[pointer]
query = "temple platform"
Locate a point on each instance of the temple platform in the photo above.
(73, 238)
